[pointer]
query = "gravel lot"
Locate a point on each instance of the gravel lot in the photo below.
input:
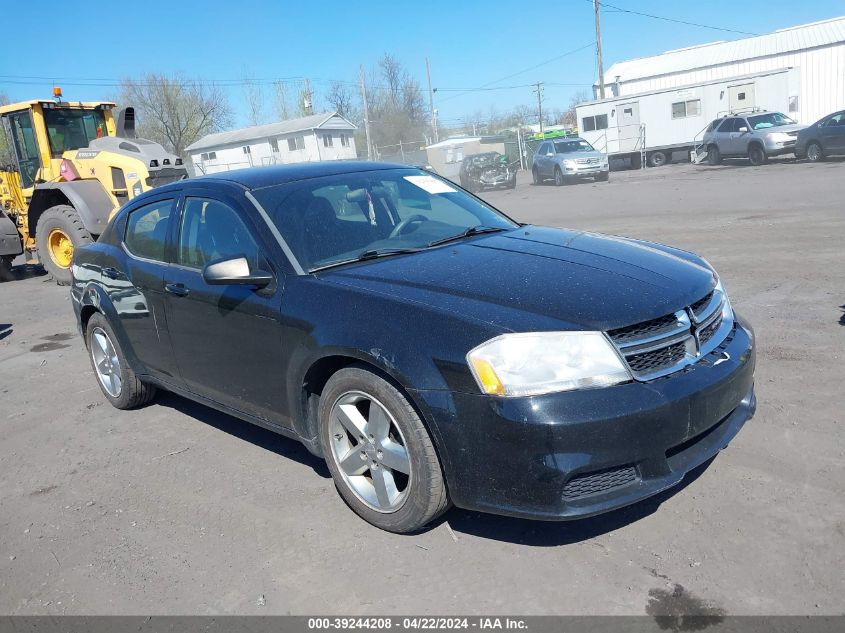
(177, 509)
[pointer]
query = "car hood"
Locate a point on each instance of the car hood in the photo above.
(540, 278)
(794, 127)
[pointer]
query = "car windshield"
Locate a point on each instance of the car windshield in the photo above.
(772, 119)
(567, 147)
(342, 218)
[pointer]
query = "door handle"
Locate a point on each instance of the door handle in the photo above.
(111, 273)
(177, 289)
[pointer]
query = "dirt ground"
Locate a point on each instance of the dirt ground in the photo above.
(178, 509)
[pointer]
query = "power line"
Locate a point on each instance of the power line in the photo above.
(665, 19)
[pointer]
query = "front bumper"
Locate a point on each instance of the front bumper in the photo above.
(585, 171)
(576, 454)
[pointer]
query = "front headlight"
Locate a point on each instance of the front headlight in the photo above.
(569, 163)
(532, 363)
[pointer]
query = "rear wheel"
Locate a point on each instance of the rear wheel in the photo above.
(714, 156)
(814, 152)
(117, 381)
(6, 267)
(59, 233)
(559, 180)
(757, 155)
(379, 452)
(658, 159)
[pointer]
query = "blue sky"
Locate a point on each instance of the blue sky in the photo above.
(469, 44)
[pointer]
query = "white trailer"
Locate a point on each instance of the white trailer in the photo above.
(652, 126)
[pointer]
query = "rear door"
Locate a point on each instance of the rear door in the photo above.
(226, 339)
(628, 126)
(741, 97)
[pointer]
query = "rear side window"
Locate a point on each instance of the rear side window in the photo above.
(146, 230)
(713, 125)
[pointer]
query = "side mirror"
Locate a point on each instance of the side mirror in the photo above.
(235, 272)
(743, 129)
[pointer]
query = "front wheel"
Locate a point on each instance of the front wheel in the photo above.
(814, 152)
(118, 382)
(535, 176)
(558, 177)
(757, 155)
(603, 177)
(379, 452)
(59, 233)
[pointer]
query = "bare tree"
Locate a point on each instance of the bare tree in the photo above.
(568, 117)
(175, 111)
(282, 105)
(397, 109)
(344, 100)
(254, 96)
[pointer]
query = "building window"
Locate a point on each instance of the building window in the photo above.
(683, 109)
(590, 123)
(247, 150)
(208, 156)
(344, 140)
(274, 145)
(295, 143)
(793, 103)
(328, 141)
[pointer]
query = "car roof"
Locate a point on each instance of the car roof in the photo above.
(258, 177)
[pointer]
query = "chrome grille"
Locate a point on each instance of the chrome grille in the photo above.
(669, 343)
(587, 161)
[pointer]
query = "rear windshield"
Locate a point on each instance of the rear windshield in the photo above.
(772, 119)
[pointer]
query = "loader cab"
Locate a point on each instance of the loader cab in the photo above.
(41, 131)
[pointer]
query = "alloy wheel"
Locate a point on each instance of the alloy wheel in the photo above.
(106, 362)
(370, 451)
(814, 152)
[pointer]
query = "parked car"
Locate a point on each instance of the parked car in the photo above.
(757, 136)
(430, 348)
(825, 137)
(489, 169)
(567, 159)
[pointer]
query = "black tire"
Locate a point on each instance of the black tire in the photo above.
(133, 393)
(658, 159)
(636, 161)
(559, 177)
(714, 156)
(815, 153)
(512, 183)
(6, 268)
(603, 177)
(535, 177)
(426, 497)
(757, 155)
(64, 218)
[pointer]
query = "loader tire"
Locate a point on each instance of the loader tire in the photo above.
(59, 233)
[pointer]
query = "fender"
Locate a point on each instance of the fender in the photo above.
(94, 296)
(90, 199)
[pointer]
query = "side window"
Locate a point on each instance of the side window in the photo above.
(211, 231)
(146, 230)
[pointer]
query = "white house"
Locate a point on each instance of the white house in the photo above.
(326, 136)
(816, 51)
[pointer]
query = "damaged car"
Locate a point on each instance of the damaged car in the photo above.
(490, 169)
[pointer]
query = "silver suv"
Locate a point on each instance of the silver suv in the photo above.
(754, 135)
(565, 159)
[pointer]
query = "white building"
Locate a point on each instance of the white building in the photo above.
(658, 105)
(326, 136)
(816, 50)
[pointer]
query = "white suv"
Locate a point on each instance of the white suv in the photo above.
(756, 136)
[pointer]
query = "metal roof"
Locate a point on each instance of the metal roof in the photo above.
(787, 40)
(257, 132)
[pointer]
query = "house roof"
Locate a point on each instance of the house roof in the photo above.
(256, 132)
(787, 40)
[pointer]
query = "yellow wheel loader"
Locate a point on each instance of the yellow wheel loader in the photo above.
(75, 164)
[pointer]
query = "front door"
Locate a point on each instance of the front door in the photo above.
(832, 134)
(22, 133)
(226, 339)
(628, 126)
(741, 97)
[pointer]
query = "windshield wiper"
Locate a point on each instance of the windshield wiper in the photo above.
(373, 253)
(473, 230)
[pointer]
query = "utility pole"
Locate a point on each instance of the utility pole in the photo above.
(538, 90)
(366, 115)
(597, 7)
(431, 103)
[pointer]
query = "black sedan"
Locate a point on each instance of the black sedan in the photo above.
(825, 137)
(430, 348)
